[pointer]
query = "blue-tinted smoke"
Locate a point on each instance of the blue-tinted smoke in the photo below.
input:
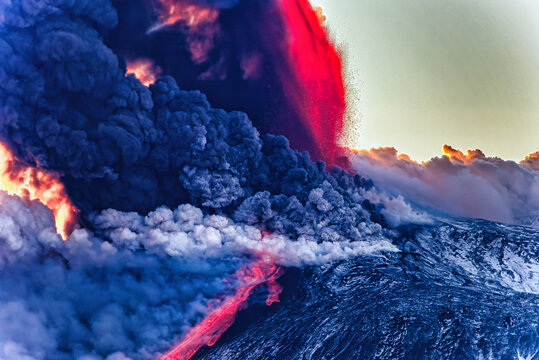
(135, 284)
(131, 285)
(91, 299)
(66, 105)
(134, 294)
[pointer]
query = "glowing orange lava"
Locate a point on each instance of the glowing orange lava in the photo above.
(21, 180)
(221, 317)
(144, 70)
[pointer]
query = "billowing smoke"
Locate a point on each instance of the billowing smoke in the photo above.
(185, 210)
(187, 233)
(531, 161)
(465, 185)
(90, 299)
(66, 105)
(142, 270)
(135, 293)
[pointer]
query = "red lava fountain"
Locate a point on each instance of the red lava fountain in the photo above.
(317, 83)
(223, 311)
(21, 180)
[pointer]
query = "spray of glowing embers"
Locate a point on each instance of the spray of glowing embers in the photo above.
(223, 311)
(317, 82)
(25, 181)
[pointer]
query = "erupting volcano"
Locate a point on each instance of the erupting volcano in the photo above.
(160, 171)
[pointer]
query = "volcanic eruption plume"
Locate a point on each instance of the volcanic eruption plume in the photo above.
(159, 125)
(317, 88)
(174, 194)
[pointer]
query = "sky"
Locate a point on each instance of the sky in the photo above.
(423, 73)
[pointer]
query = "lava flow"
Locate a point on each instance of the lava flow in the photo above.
(318, 84)
(223, 313)
(21, 180)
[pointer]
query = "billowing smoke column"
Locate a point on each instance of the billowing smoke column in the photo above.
(143, 270)
(271, 59)
(66, 105)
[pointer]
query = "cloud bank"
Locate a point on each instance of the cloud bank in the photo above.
(466, 185)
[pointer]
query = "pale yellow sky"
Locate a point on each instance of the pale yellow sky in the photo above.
(424, 73)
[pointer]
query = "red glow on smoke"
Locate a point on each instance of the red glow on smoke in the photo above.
(200, 20)
(316, 81)
(21, 180)
(144, 70)
(224, 311)
(175, 11)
